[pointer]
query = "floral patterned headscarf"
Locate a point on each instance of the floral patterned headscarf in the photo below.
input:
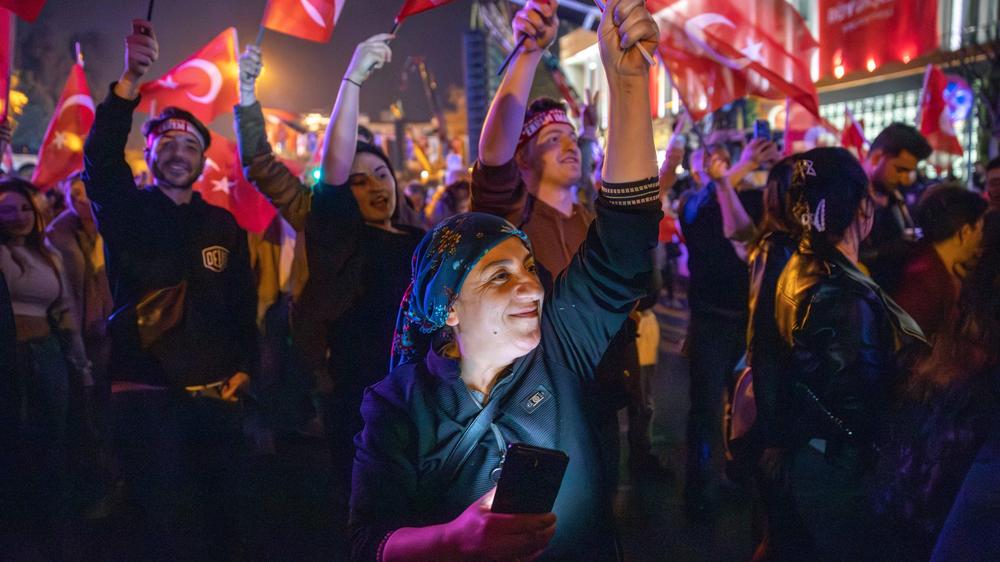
(440, 264)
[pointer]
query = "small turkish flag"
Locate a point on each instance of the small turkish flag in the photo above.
(5, 59)
(853, 136)
(223, 184)
(803, 130)
(27, 9)
(312, 20)
(411, 7)
(206, 84)
(935, 121)
(718, 52)
(61, 154)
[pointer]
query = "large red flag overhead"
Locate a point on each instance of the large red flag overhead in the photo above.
(718, 51)
(307, 19)
(935, 121)
(411, 7)
(62, 150)
(27, 9)
(223, 184)
(206, 84)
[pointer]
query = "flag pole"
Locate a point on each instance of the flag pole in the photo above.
(149, 10)
(260, 34)
(79, 55)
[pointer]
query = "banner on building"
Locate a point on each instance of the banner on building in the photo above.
(862, 35)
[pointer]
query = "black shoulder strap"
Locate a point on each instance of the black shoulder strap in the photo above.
(474, 432)
(469, 439)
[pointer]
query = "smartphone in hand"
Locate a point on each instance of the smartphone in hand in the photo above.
(530, 479)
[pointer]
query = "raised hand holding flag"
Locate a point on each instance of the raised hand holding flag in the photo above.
(206, 84)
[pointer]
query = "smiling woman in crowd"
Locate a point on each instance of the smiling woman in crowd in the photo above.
(476, 330)
(358, 255)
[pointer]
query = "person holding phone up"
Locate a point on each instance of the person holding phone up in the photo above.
(478, 335)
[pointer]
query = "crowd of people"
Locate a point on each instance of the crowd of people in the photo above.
(151, 347)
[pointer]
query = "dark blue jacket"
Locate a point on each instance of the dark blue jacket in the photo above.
(415, 415)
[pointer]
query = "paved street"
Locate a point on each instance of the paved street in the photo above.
(650, 514)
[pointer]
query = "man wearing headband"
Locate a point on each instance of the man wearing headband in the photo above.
(477, 330)
(183, 331)
(530, 161)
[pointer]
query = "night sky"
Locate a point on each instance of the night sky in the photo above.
(299, 75)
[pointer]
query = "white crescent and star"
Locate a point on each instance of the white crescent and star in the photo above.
(313, 13)
(695, 30)
(211, 71)
(83, 100)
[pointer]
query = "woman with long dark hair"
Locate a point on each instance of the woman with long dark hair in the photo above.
(48, 351)
(845, 338)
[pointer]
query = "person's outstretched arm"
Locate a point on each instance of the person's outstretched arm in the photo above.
(609, 272)
(107, 176)
(342, 132)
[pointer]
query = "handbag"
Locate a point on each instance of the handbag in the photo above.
(159, 311)
(740, 442)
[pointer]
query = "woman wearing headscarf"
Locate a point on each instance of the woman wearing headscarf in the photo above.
(358, 255)
(845, 337)
(477, 331)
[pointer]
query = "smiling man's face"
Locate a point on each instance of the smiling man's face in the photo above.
(554, 156)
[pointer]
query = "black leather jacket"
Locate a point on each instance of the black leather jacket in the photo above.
(845, 336)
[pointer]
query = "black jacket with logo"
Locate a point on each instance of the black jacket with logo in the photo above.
(153, 243)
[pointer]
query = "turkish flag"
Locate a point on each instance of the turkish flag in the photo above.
(717, 52)
(411, 7)
(62, 150)
(312, 20)
(853, 136)
(5, 52)
(223, 184)
(27, 9)
(935, 121)
(804, 130)
(206, 84)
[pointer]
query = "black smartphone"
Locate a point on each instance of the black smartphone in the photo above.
(762, 129)
(530, 479)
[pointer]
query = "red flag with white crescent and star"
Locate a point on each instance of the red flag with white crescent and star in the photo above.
(223, 184)
(718, 51)
(206, 84)
(61, 154)
(935, 121)
(411, 7)
(312, 20)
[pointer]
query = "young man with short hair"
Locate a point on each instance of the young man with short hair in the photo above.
(892, 167)
(183, 334)
(951, 218)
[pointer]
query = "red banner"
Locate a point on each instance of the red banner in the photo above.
(935, 121)
(62, 150)
(859, 35)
